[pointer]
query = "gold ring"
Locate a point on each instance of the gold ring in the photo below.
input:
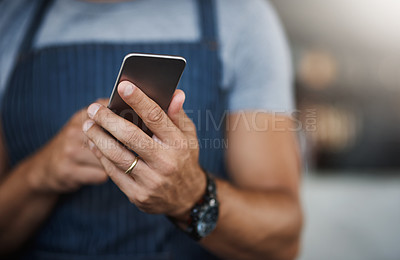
(132, 166)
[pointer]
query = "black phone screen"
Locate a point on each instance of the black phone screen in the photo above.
(156, 75)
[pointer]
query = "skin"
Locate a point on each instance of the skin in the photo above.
(260, 215)
(29, 191)
(260, 212)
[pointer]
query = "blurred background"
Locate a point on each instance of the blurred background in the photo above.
(347, 62)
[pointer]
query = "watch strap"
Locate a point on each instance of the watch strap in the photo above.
(209, 199)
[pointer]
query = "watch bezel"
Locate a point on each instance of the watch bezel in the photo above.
(210, 225)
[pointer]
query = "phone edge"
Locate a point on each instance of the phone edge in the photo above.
(142, 55)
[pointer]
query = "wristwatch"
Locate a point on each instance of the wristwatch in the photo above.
(204, 214)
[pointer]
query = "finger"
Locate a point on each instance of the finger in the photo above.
(141, 171)
(123, 130)
(126, 183)
(77, 147)
(110, 148)
(87, 158)
(175, 106)
(96, 152)
(119, 156)
(130, 185)
(149, 111)
(90, 175)
(81, 116)
(178, 115)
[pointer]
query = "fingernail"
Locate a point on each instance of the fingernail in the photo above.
(126, 88)
(91, 145)
(87, 125)
(92, 109)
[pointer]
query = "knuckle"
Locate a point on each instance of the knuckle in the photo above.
(143, 198)
(125, 161)
(155, 115)
(156, 184)
(131, 197)
(139, 99)
(132, 137)
(72, 132)
(102, 116)
(66, 173)
(170, 167)
(101, 178)
(69, 150)
(186, 156)
(116, 155)
(182, 146)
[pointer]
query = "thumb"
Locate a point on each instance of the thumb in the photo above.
(178, 115)
(176, 105)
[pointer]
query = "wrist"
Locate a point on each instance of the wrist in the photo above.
(197, 194)
(35, 171)
(203, 216)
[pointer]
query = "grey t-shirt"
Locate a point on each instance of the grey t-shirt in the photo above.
(256, 61)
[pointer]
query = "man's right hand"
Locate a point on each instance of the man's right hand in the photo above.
(66, 162)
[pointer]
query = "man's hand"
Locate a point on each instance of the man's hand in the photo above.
(30, 190)
(65, 162)
(167, 178)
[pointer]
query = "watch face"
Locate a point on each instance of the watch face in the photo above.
(207, 222)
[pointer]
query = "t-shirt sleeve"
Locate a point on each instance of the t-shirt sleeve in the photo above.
(14, 20)
(258, 72)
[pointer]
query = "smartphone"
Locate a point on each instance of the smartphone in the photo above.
(156, 75)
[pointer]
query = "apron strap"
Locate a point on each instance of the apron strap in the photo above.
(27, 42)
(207, 22)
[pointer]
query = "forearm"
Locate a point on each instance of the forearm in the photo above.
(255, 224)
(23, 206)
